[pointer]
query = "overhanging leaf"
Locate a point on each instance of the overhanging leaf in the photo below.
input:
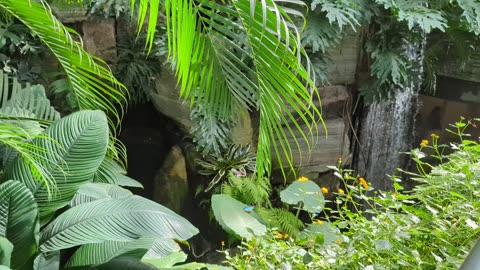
(122, 219)
(73, 154)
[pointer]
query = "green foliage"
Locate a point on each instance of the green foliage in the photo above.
(18, 49)
(247, 189)
(282, 219)
(102, 219)
(231, 215)
(19, 224)
(211, 134)
(137, 68)
(431, 227)
(304, 193)
(236, 157)
(341, 13)
(224, 56)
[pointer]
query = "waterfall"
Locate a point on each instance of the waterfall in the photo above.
(387, 128)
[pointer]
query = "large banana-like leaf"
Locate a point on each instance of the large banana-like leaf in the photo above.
(19, 221)
(98, 253)
(122, 219)
(90, 192)
(110, 172)
(72, 156)
(145, 249)
(29, 100)
(6, 249)
(47, 261)
(89, 77)
(247, 54)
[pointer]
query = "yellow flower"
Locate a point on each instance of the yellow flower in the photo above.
(435, 136)
(279, 235)
(318, 221)
(286, 235)
(424, 143)
(369, 260)
(302, 179)
(223, 243)
(339, 240)
(349, 197)
(324, 190)
(363, 182)
(341, 191)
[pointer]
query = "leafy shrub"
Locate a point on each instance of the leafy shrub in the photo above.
(431, 227)
(84, 209)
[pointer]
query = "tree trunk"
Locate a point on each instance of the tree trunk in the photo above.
(386, 129)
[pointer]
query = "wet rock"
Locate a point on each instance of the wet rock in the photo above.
(171, 183)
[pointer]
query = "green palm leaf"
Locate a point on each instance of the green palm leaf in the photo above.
(72, 156)
(244, 54)
(19, 221)
(91, 81)
(122, 219)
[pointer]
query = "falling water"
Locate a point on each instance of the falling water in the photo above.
(388, 128)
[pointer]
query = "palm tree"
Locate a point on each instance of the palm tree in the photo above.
(231, 56)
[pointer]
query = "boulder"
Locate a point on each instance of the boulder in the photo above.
(99, 38)
(171, 182)
(167, 101)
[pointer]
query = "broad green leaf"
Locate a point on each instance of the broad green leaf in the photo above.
(167, 261)
(110, 172)
(231, 216)
(122, 219)
(330, 234)
(99, 253)
(161, 248)
(3, 267)
(89, 192)
(6, 249)
(47, 261)
(308, 193)
(72, 156)
(19, 221)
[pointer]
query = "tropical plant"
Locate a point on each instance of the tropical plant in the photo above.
(104, 220)
(239, 55)
(244, 209)
(89, 78)
(434, 226)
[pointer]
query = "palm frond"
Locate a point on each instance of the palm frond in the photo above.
(89, 77)
(243, 54)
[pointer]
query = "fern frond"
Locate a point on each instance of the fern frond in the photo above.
(248, 190)
(282, 219)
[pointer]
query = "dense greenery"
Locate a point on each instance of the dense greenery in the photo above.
(432, 227)
(61, 177)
